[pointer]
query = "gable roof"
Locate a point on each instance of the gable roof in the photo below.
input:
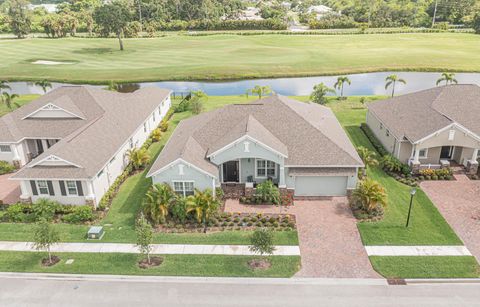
(307, 134)
(92, 145)
(418, 115)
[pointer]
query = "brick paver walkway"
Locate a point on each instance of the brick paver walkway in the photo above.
(330, 244)
(458, 201)
(9, 190)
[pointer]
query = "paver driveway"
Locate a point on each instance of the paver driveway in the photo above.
(9, 190)
(330, 244)
(458, 201)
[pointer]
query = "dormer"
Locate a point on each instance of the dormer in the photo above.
(53, 160)
(60, 108)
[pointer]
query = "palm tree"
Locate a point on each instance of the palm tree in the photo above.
(8, 99)
(157, 202)
(368, 157)
(4, 85)
(392, 80)
(138, 157)
(203, 204)
(44, 84)
(261, 91)
(340, 83)
(369, 194)
(319, 93)
(448, 77)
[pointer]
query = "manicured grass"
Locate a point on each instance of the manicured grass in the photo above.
(23, 99)
(426, 267)
(428, 227)
(182, 57)
(126, 264)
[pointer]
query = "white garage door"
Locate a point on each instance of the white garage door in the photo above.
(320, 186)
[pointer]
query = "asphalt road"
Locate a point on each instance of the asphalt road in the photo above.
(35, 290)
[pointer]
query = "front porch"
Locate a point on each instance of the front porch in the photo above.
(445, 157)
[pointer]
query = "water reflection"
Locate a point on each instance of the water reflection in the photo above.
(362, 84)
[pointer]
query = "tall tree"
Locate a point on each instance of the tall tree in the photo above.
(448, 78)
(260, 91)
(368, 157)
(44, 84)
(319, 93)
(113, 18)
(392, 81)
(19, 17)
(340, 84)
(8, 99)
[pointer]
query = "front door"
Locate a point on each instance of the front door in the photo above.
(230, 171)
(446, 152)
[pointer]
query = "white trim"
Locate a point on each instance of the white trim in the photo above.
(183, 161)
(56, 158)
(53, 179)
(68, 192)
(44, 108)
(452, 125)
(325, 166)
(38, 187)
(183, 185)
(243, 138)
(266, 169)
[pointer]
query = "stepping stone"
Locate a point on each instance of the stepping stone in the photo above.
(69, 261)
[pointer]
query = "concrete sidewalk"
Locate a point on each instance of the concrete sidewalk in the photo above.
(421, 250)
(185, 249)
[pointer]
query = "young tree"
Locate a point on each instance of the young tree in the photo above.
(392, 80)
(139, 157)
(44, 84)
(112, 18)
(196, 102)
(449, 78)
(340, 84)
(319, 93)
(144, 233)
(44, 237)
(261, 241)
(204, 205)
(260, 91)
(19, 17)
(368, 157)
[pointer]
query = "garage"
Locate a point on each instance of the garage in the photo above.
(321, 185)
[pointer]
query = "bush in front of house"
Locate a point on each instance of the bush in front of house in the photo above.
(435, 174)
(268, 193)
(80, 214)
(6, 168)
(368, 199)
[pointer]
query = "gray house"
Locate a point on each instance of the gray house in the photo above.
(430, 128)
(299, 146)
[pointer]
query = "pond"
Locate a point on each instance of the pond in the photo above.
(361, 84)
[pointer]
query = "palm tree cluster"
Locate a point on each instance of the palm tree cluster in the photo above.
(259, 90)
(448, 78)
(370, 194)
(6, 97)
(139, 157)
(162, 203)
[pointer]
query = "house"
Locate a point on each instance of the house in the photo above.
(321, 11)
(300, 146)
(250, 13)
(74, 140)
(430, 128)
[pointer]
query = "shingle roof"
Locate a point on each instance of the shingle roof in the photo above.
(309, 134)
(97, 140)
(417, 115)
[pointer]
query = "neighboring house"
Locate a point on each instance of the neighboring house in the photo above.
(77, 137)
(299, 146)
(250, 13)
(321, 11)
(430, 128)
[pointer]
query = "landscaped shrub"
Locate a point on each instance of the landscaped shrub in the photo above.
(45, 208)
(373, 139)
(368, 199)
(212, 25)
(267, 192)
(6, 167)
(435, 174)
(391, 164)
(333, 21)
(163, 125)
(17, 213)
(80, 214)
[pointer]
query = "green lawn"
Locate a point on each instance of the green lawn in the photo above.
(182, 57)
(23, 99)
(126, 264)
(426, 266)
(428, 227)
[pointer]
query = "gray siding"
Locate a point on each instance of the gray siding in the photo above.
(201, 180)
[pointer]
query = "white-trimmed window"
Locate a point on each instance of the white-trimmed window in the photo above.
(183, 188)
(153, 116)
(5, 148)
(387, 132)
(381, 126)
(265, 168)
(159, 111)
(131, 143)
(144, 127)
(42, 187)
(71, 188)
(423, 154)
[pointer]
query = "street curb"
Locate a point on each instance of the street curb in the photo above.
(423, 281)
(181, 279)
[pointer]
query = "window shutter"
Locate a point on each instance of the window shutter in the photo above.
(50, 188)
(62, 188)
(79, 188)
(34, 187)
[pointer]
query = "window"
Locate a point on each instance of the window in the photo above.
(5, 148)
(42, 187)
(266, 168)
(159, 111)
(183, 188)
(72, 188)
(423, 153)
(131, 142)
(144, 127)
(381, 126)
(112, 160)
(451, 135)
(387, 133)
(153, 116)
(100, 174)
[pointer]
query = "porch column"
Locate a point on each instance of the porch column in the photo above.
(25, 197)
(17, 161)
(90, 198)
(475, 154)
(472, 164)
(281, 183)
(416, 157)
(45, 144)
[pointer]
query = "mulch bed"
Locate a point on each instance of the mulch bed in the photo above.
(154, 261)
(259, 264)
(46, 262)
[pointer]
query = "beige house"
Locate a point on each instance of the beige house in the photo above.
(71, 143)
(431, 128)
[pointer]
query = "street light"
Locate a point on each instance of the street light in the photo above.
(412, 193)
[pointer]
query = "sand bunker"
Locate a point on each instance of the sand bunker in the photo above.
(47, 62)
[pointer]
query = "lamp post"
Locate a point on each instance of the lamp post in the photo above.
(412, 193)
